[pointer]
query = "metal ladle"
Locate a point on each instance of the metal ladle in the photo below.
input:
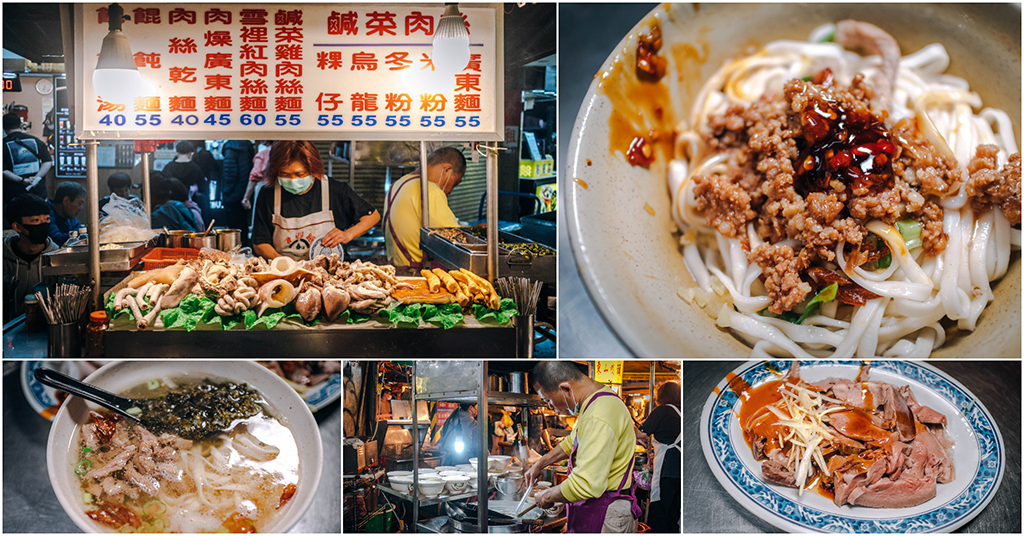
(454, 511)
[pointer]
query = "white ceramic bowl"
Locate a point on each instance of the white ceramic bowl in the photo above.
(431, 487)
(393, 474)
(466, 467)
(456, 483)
(401, 484)
(491, 476)
(540, 486)
(627, 257)
(443, 468)
(497, 463)
(444, 474)
(119, 376)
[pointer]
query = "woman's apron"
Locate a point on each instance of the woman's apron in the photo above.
(392, 196)
(660, 451)
(588, 515)
(293, 237)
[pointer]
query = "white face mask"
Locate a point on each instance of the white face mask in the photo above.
(296, 185)
(576, 404)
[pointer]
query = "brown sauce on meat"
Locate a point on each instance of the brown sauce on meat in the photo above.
(755, 419)
(857, 424)
(869, 399)
(841, 143)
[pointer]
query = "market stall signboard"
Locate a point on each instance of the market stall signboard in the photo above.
(286, 71)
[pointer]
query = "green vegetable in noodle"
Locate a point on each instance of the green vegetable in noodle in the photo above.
(826, 294)
(133, 411)
(83, 467)
(154, 507)
(153, 384)
(910, 230)
(162, 526)
(87, 498)
(196, 411)
(86, 450)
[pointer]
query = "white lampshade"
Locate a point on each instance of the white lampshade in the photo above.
(450, 53)
(117, 86)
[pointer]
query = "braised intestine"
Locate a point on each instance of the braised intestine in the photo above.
(792, 171)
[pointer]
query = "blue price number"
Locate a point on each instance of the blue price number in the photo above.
(403, 121)
(257, 119)
(153, 119)
(474, 121)
(358, 120)
(282, 120)
(224, 120)
(185, 120)
(118, 120)
(336, 120)
(438, 121)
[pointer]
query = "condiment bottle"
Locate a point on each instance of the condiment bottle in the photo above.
(94, 334)
(33, 316)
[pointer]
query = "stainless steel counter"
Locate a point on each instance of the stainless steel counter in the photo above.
(31, 506)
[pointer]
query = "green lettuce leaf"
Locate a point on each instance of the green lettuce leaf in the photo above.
(446, 315)
(500, 316)
(270, 320)
(403, 315)
(352, 317)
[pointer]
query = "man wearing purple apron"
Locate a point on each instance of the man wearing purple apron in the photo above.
(403, 213)
(599, 491)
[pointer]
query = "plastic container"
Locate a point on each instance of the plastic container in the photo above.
(161, 257)
(95, 333)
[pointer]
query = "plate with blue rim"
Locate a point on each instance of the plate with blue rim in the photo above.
(44, 399)
(978, 454)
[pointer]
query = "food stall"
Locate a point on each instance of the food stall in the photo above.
(184, 82)
(393, 458)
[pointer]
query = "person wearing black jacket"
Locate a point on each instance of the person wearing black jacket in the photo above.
(237, 165)
(664, 426)
(26, 161)
(191, 175)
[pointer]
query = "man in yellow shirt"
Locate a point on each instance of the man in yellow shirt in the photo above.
(599, 490)
(402, 209)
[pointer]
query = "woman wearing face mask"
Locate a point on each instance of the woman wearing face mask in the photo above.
(301, 208)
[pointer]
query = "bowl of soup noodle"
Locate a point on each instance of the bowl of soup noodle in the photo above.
(113, 475)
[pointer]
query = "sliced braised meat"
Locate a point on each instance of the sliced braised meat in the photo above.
(938, 462)
(777, 472)
(856, 423)
(923, 413)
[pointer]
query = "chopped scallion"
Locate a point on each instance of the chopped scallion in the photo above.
(885, 261)
(826, 294)
(160, 508)
(830, 38)
(86, 450)
(153, 384)
(133, 410)
(83, 467)
(87, 498)
(910, 230)
(161, 527)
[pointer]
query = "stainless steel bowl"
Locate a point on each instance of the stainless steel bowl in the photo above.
(176, 239)
(202, 240)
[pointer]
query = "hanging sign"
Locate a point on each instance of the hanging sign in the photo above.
(287, 71)
(608, 372)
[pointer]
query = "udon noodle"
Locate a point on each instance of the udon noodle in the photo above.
(235, 481)
(901, 305)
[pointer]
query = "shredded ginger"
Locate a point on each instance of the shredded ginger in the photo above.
(806, 431)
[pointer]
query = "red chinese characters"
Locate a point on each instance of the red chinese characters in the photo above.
(364, 61)
(363, 102)
(398, 61)
(146, 104)
(181, 104)
(147, 60)
(432, 102)
(218, 81)
(179, 14)
(253, 52)
(467, 103)
(182, 74)
(328, 60)
(397, 102)
(177, 45)
(285, 18)
(253, 17)
(250, 86)
(219, 38)
(252, 104)
(146, 15)
(343, 23)
(217, 103)
(328, 102)
(217, 59)
(418, 22)
(381, 23)
(217, 15)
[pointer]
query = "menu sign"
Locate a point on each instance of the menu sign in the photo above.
(282, 71)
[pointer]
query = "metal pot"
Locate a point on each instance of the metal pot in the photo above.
(202, 240)
(229, 239)
(496, 383)
(493, 525)
(519, 382)
(176, 239)
(508, 487)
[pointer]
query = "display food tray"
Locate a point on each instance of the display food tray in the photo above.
(473, 256)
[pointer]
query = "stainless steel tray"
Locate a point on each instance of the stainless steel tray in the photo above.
(79, 255)
(473, 256)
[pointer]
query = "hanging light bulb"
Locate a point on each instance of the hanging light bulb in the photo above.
(116, 78)
(451, 42)
(459, 445)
